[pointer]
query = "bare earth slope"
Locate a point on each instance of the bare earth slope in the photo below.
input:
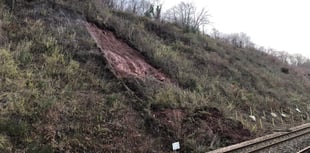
(124, 60)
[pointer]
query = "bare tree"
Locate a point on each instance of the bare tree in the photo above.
(151, 8)
(108, 3)
(215, 33)
(187, 16)
(240, 40)
(201, 19)
(245, 41)
(121, 5)
(137, 6)
(300, 59)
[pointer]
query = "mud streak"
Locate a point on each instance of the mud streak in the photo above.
(124, 60)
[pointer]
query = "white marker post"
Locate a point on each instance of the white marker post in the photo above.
(176, 146)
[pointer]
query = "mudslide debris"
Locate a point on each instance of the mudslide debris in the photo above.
(124, 60)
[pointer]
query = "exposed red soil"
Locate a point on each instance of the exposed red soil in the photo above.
(207, 126)
(221, 131)
(123, 59)
(172, 118)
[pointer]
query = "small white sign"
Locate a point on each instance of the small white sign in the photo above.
(253, 117)
(175, 146)
(283, 115)
(273, 114)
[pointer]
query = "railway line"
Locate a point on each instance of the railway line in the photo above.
(305, 150)
(273, 142)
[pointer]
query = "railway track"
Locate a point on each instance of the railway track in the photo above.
(263, 144)
(305, 150)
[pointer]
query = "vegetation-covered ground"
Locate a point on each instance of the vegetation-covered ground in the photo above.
(57, 93)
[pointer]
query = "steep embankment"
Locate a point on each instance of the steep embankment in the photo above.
(60, 93)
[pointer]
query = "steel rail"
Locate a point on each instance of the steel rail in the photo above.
(285, 138)
(305, 150)
(265, 142)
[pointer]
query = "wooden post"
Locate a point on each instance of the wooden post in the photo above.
(261, 123)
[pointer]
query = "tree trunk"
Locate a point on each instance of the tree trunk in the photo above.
(10, 4)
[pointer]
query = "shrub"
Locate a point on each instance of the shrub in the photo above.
(8, 66)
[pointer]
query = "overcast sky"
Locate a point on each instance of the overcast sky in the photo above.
(279, 24)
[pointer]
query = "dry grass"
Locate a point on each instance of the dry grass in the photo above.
(57, 94)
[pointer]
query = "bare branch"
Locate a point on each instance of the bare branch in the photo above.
(187, 16)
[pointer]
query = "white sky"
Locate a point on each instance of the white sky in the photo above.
(280, 24)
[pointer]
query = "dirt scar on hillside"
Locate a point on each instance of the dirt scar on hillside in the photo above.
(124, 60)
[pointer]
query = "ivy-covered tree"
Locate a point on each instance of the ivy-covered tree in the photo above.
(154, 13)
(10, 4)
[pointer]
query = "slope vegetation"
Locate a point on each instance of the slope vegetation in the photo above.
(59, 92)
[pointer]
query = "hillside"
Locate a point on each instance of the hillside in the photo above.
(77, 77)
